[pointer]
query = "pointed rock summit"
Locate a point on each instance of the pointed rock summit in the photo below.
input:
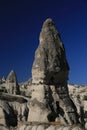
(12, 77)
(12, 83)
(50, 65)
(50, 99)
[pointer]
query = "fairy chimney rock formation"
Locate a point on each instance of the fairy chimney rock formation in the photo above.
(50, 65)
(12, 83)
(49, 80)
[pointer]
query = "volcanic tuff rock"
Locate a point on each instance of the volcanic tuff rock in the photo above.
(50, 65)
(12, 83)
(48, 127)
(49, 78)
(45, 103)
(13, 109)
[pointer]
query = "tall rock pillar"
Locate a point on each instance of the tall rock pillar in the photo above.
(49, 77)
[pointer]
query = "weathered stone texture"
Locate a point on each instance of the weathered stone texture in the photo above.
(49, 77)
(50, 65)
(12, 83)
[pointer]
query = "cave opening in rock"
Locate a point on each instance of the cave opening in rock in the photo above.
(52, 116)
(11, 118)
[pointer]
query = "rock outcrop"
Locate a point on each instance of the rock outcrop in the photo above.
(49, 77)
(50, 65)
(12, 83)
(13, 109)
(49, 127)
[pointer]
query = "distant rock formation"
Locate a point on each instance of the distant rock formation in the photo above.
(13, 107)
(49, 77)
(12, 83)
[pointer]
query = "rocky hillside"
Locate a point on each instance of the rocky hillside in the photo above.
(46, 101)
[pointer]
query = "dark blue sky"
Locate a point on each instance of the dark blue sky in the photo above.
(20, 25)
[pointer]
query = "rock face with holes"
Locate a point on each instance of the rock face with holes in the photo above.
(49, 80)
(12, 83)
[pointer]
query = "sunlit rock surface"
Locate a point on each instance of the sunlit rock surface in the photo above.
(49, 77)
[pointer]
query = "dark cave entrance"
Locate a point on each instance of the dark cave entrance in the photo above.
(11, 118)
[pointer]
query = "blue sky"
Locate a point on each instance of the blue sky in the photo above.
(20, 25)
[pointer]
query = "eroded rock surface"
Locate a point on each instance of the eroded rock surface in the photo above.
(50, 65)
(45, 103)
(49, 127)
(12, 83)
(13, 109)
(49, 77)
